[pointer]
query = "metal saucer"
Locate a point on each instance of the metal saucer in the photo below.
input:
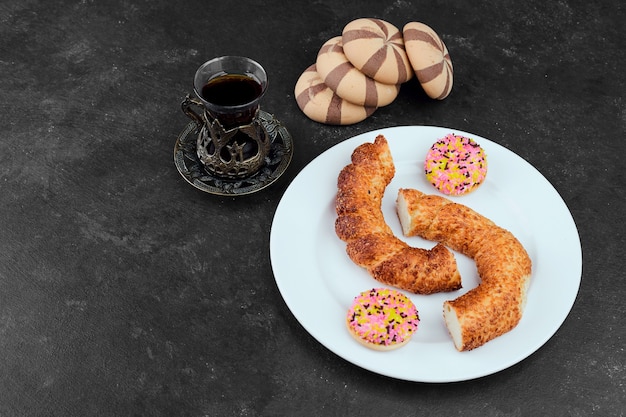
(192, 170)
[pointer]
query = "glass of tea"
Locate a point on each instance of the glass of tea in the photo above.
(230, 88)
(232, 142)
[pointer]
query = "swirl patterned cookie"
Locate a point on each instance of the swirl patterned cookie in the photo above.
(429, 58)
(319, 103)
(348, 82)
(376, 48)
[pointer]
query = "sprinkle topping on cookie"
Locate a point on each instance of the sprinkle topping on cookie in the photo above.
(455, 165)
(383, 316)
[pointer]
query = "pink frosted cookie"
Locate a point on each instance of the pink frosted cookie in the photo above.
(382, 319)
(455, 165)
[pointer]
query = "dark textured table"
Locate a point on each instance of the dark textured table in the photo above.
(124, 291)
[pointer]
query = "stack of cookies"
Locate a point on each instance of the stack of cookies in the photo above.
(362, 69)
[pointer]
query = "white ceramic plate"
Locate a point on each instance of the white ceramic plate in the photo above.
(318, 281)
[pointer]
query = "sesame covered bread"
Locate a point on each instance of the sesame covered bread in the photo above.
(496, 305)
(370, 242)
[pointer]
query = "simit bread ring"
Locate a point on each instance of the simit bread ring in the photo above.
(370, 242)
(376, 47)
(430, 59)
(321, 104)
(348, 82)
(496, 305)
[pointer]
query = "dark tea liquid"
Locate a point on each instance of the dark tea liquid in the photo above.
(231, 90)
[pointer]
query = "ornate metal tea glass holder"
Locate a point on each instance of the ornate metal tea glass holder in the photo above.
(234, 153)
(232, 142)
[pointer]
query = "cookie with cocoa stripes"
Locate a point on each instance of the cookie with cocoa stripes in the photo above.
(430, 59)
(376, 48)
(319, 103)
(348, 82)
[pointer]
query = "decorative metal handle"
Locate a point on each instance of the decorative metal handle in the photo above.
(186, 105)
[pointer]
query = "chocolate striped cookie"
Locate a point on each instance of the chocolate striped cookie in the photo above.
(348, 82)
(376, 47)
(430, 59)
(321, 104)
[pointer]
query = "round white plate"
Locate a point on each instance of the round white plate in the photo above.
(318, 281)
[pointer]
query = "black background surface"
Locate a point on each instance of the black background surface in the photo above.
(124, 291)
